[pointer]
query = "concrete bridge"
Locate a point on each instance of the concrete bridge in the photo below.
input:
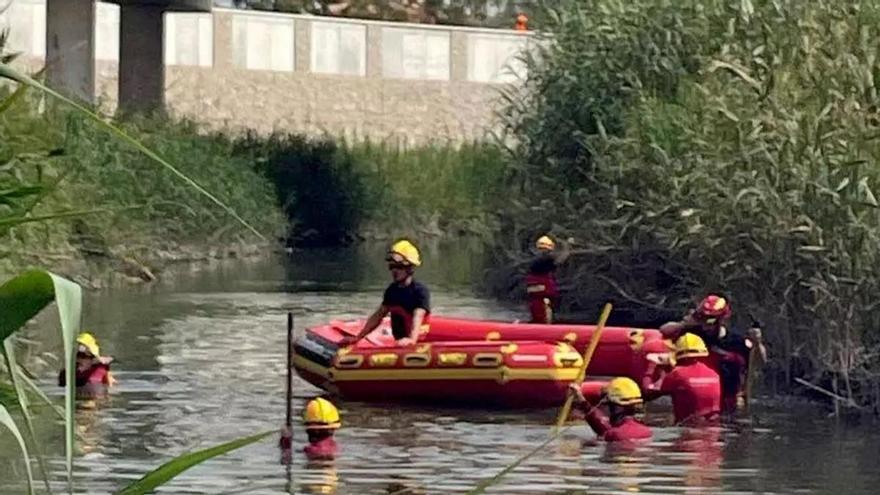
(236, 69)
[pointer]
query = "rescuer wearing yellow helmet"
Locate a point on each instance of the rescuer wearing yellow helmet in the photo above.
(407, 300)
(694, 386)
(321, 420)
(92, 369)
(624, 400)
(542, 289)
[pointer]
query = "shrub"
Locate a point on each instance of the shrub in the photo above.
(695, 146)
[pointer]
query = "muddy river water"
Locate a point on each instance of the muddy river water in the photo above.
(200, 360)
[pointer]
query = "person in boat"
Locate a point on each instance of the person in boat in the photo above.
(92, 369)
(620, 424)
(541, 287)
(321, 420)
(407, 300)
(694, 386)
(729, 353)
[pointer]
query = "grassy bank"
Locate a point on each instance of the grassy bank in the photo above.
(693, 146)
(335, 192)
(307, 191)
(57, 162)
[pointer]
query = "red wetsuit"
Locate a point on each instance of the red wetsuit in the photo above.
(542, 289)
(695, 388)
(728, 356)
(627, 429)
(324, 449)
(98, 374)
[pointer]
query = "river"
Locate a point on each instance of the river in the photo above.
(200, 360)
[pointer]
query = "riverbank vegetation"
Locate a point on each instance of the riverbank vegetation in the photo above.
(119, 209)
(722, 145)
(334, 192)
(114, 202)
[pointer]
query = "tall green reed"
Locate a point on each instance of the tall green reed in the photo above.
(695, 146)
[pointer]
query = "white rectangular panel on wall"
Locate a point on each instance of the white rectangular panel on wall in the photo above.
(263, 43)
(339, 48)
(189, 39)
(415, 53)
(495, 59)
(26, 22)
(106, 31)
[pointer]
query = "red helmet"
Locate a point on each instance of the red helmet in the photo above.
(713, 309)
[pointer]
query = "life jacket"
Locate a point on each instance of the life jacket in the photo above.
(97, 374)
(629, 428)
(542, 285)
(695, 388)
(324, 449)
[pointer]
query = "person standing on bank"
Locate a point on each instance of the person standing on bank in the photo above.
(406, 300)
(542, 290)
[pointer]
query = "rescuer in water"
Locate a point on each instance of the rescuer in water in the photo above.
(694, 386)
(321, 420)
(624, 400)
(92, 369)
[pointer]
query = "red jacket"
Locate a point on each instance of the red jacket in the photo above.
(99, 373)
(695, 388)
(629, 428)
(324, 449)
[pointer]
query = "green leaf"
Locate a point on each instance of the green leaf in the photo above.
(7, 421)
(172, 468)
(21, 395)
(24, 297)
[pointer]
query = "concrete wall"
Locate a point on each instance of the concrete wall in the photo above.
(241, 70)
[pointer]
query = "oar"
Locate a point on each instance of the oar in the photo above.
(588, 356)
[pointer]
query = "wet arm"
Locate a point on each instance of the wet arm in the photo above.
(652, 387)
(417, 319)
(563, 254)
(373, 321)
(598, 421)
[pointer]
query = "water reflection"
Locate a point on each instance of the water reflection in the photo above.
(200, 361)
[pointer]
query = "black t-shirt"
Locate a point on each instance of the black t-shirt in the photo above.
(543, 264)
(729, 342)
(402, 301)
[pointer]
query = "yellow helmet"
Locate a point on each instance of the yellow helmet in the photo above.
(406, 252)
(545, 243)
(321, 414)
(89, 343)
(623, 392)
(690, 345)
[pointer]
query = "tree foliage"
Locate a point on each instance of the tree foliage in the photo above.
(713, 145)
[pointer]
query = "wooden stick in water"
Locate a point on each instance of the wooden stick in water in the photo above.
(588, 356)
(289, 419)
(286, 442)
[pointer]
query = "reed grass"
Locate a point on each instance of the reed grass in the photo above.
(722, 145)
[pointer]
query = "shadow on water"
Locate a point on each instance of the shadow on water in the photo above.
(201, 360)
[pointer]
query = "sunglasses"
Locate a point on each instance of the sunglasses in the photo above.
(397, 266)
(83, 355)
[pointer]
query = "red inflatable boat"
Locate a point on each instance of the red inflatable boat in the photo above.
(478, 362)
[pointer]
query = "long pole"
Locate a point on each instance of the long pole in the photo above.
(286, 442)
(588, 356)
(289, 419)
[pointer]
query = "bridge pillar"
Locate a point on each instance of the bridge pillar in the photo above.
(141, 64)
(141, 51)
(70, 48)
